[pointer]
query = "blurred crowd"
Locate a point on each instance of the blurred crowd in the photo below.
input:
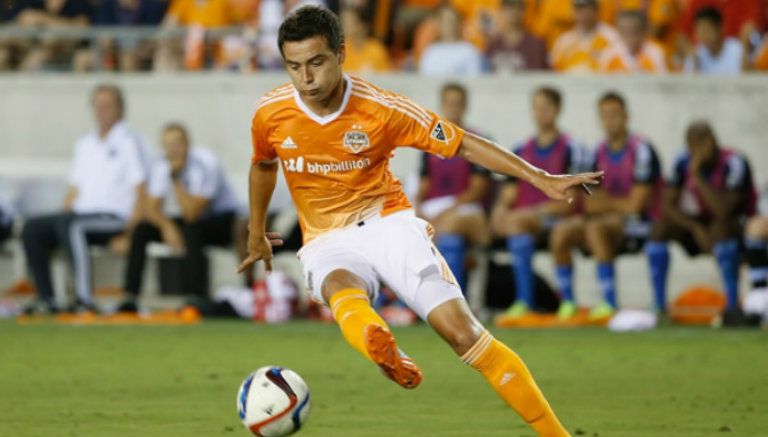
(432, 37)
(123, 195)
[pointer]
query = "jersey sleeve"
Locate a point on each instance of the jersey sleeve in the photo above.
(413, 126)
(262, 150)
(737, 176)
(159, 180)
(646, 169)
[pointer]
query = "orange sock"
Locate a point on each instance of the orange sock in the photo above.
(509, 377)
(353, 312)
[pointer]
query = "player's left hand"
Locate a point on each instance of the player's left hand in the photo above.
(558, 187)
(260, 249)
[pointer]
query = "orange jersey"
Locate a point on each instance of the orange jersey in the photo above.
(337, 166)
(618, 59)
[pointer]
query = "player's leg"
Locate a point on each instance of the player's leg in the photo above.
(657, 252)
(520, 228)
(756, 242)
(346, 293)
(603, 235)
(455, 228)
(565, 236)
(504, 370)
(724, 235)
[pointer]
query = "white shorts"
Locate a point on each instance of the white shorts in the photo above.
(434, 207)
(396, 249)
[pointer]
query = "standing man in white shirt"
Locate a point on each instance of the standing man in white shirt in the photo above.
(450, 55)
(714, 53)
(106, 183)
(190, 205)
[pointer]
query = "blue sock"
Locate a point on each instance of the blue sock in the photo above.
(451, 246)
(606, 276)
(564, 276)
(658, 262)
(521, 247)
(727, 255)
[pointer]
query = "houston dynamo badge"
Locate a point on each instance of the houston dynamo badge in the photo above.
(356, 140)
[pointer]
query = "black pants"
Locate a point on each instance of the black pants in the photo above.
(213, 231)
(72, 233)
(5, 232)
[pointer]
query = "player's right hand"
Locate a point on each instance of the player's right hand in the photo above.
(260, 248)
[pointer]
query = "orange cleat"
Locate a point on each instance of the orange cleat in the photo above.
(394, 364)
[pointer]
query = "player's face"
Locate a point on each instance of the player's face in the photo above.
(613, 117)
(453, 106)
(314, 68)
(707, 33)
(175, 147)
(106, 109)
(702, 148)
(545, 112)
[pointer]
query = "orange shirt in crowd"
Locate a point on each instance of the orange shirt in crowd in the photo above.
(761, 59)
(618, 59)
(575, 51)
(555, 17)
(371, 56)
(664, 16)
(337, 166)
(207, 13)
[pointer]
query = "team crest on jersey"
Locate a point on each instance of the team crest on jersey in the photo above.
(356, 140)
(438, 132)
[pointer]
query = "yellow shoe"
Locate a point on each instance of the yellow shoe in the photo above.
(604, 310)
(517, 310)
(394, 364)
(567, 310)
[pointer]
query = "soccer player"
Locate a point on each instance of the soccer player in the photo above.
(522, 213)
(451, 192)
(333, 135)
(709, 195)
(618, 214)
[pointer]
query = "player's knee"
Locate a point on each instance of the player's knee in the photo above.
(757, 228)
(339, 280)
(463, 338)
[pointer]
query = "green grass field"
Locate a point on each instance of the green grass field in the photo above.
(182, 381)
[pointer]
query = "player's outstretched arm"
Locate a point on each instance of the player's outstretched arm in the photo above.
(499, 160)
(261, 185)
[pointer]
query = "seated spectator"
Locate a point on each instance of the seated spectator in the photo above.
(556, 17)
(106, 179)
(128, 54)
(190, 206)
(664, 28)
(756, 247)
(522, 214)
(737, 15)
(714, 53)
(709, 195)
(450, 55)
(619, 211)
(636, 53)
(451, 192)
(362, 52)
(580, 49)
(40, 14)
(514, 48)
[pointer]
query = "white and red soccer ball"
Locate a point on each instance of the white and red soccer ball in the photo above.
(273, 402)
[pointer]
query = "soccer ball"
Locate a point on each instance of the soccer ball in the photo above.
(273, 402)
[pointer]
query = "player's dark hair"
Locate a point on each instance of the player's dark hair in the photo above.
(613, 96)
(115, 90)
(176, 126)
(699, 130)
(456, 87)
(551, 94)
(711, 15)
(309, 21)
